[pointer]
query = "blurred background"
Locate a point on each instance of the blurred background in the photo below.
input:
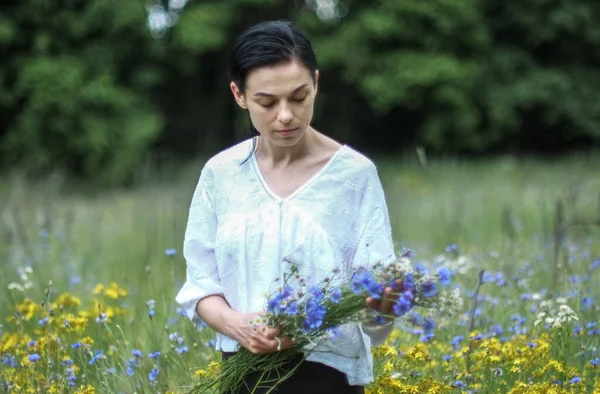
(483, 117)
(102, 89)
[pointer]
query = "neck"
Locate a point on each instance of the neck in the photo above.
(282, 156)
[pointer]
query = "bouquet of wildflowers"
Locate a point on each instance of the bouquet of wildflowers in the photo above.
(312, 315)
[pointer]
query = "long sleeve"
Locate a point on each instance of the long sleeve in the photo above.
(202, 278)
(375, 242)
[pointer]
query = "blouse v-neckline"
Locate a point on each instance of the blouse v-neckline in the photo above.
(299, 189)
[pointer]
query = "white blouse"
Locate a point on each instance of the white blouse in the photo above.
(239, 233)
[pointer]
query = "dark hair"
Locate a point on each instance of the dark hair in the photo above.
(268, 44)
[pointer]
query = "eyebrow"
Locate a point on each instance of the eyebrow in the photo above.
(262, 94)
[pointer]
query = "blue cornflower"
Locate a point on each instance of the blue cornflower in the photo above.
(416, 318)
(70, 375)
(591, 325)
(408, 281)
(182, 349)
(428, 325)
(176, 338)
(336, 296)
(12, 361)
(593, 332)
(447, 357)
(421, 269)
(429, 289)
(153, 375)
(452, 248)
(154, 355)
(575, 380)
(33, 357)
(137, 353)
(315, 312)
(292, 308)
(577, 329)
(427, 337)
(459, 384)
(170, 252)
(44, 321)
(594, 362)
(497, 330)
(404, 304)
(76, 345)
(130, 371)
(67, 363)
(444, 276)
(317, 292)
(132, 363)
(361, 282)
(210, 344)
(379, 320)
(97, 355)
(595, 264)
(586, 303)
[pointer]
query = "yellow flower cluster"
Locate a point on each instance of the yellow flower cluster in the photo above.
(517, 366)
(45, 345)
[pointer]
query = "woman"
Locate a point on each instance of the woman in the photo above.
(287, 193)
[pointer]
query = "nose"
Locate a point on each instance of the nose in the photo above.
(285, 115)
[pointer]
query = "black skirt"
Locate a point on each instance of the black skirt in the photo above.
(309, 378)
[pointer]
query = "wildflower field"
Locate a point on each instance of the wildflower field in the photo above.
(88, 280)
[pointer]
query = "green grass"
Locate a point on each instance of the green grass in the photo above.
(78, 239)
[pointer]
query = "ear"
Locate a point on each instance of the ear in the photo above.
(238, 95)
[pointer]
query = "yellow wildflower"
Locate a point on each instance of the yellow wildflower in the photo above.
(85, 390)
(114, 291)
(67, 300)
(98, 289)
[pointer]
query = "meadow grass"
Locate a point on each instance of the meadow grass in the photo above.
(500, 214)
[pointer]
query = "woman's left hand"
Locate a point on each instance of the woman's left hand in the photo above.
(390, 296)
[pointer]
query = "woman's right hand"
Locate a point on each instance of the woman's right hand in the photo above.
(257, 339)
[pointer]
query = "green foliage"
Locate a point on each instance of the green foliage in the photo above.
(71, 105)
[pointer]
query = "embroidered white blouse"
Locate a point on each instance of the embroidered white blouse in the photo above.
(239, 232)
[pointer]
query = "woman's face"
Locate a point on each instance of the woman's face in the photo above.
(280, 100)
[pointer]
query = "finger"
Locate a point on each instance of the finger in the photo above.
(271, 333)
(387, 302)
(286, 343)
(265, 343)
(373, 303)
